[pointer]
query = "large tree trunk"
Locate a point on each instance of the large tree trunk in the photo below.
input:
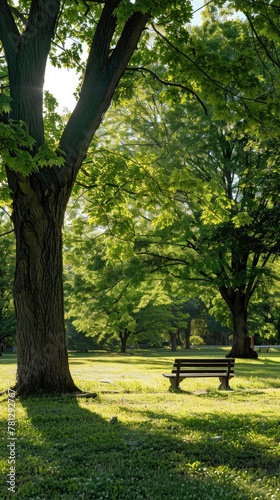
(38, 292)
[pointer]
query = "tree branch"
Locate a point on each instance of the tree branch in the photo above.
(9, 33)
(86, 2)
(7, 232)
(170, 84)
(19, 15)
(262, 44)
(215, 82)
(103, 72)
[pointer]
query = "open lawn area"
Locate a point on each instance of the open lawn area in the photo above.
(138, 440)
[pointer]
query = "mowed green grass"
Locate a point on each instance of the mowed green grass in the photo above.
(137, 440)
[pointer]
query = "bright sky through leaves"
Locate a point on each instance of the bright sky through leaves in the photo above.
(62, 83)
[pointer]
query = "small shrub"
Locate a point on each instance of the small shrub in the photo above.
(196, 340)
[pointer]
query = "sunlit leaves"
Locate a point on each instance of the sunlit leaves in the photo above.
(16, 150)
(5, 103)
(46, 157)
(165, 11)
(53, 121)
(242, 219)
(216, 208)
(15, 147)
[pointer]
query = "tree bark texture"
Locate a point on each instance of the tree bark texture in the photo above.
(38, 294)
(40, 199)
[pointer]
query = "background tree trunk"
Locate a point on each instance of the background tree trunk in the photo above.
(188, 334)
(173, 341)
(241, 341)
(124, 338)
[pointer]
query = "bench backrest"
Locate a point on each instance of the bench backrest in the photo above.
(202, 365)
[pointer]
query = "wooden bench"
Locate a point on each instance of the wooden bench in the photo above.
(266, 347)
(223, 368)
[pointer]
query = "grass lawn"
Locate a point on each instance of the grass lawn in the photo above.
(137, 440)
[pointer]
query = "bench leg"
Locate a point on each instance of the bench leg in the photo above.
(173, 384)
(224, 385)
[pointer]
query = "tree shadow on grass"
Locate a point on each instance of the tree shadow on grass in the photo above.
(152, 363)
(223, 440)
(264, 369)
(66, 450)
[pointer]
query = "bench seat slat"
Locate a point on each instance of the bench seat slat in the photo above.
(196, 374)
(200, 363)
(204, 360)
(201, 368)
